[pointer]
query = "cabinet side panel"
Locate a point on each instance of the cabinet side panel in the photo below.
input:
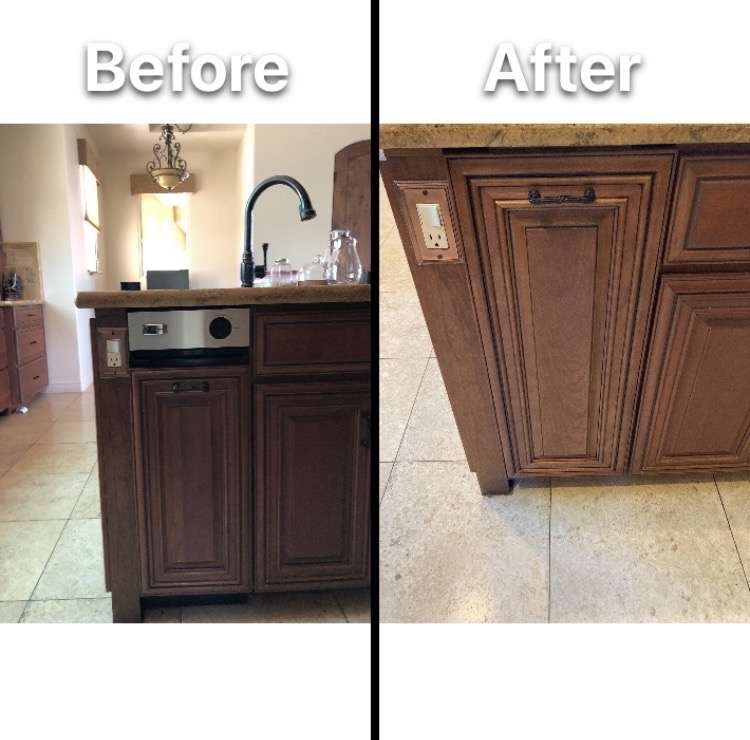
(445, 295)
(114, 433)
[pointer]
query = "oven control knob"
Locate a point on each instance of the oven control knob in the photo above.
(220, 328)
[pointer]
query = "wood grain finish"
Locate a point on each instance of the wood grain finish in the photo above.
(33, 379)
(312, 485)
(711, 220)
(117, 487)
(27, 315)
(6, 397)
(175, 469)
(351, 196)
(297, 342)
(567, 289)
(695, 412)
(30, 343)
(191, 446)
(445, 295)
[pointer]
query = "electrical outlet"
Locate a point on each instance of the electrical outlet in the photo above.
(114, 356)
(433, 229)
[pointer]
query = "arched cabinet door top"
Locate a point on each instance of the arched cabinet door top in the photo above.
(351, 196)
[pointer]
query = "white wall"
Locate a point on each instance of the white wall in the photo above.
(36, 204)
(307, 153)
(83, 280)
(214, 243)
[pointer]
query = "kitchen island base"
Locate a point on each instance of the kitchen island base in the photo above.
(589, 307)
(237, 478)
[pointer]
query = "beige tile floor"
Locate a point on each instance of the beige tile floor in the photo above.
(671, 549)
(51, 562)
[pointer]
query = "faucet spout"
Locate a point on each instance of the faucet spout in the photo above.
(306, 212)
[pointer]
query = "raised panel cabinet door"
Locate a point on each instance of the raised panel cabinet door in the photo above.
(695, 410)
(312, 493)
(563, 259)
(191, 451)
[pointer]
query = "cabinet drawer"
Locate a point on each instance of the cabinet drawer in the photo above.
(320, 342)
(25, 316)
(5, 397)
(695, 410)
(711, 218)
(30, 343)
(32, 379)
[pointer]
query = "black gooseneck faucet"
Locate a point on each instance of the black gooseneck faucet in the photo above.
(306, 212)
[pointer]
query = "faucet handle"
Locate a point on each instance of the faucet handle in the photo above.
(262, 270)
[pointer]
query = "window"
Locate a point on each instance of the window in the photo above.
(90, 188)
(165, 229)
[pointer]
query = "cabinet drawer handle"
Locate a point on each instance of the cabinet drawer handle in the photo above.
(34, 342)
(188, 387)
(537, 199)
(36, 377)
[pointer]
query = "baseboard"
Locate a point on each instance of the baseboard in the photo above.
(63, 388)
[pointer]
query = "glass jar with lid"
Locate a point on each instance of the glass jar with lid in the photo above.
(282, 272)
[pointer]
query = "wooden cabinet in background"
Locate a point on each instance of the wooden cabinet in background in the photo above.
(23, 355)
(191, 451)
(312, 483)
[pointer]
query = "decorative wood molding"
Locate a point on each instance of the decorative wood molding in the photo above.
(143, 183)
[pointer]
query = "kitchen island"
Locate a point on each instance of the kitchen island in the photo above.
(233, 434)
(586, 289)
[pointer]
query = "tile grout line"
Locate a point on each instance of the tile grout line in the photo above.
(57, 541)
(731, 532)
(549, 556)
(408, 419)
(44, 568)
(387, 481)
(341, 608)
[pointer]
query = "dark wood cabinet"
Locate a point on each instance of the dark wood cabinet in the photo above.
(242, 478)
(312, 473)
(695, 413)
(191, 453)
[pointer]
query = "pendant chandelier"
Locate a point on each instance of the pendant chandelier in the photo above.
(168, 169)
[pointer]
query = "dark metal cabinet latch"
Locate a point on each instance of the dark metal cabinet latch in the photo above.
(188, 387)
(537, 199)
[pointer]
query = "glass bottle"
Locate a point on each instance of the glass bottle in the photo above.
(347, 267)
(313, 272)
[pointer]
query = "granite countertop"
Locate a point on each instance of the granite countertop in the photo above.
(224, 296)
(21, 303)
(428, 136)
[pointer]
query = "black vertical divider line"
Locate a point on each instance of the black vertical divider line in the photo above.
(374, 74)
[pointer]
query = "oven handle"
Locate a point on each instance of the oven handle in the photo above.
(203, 387)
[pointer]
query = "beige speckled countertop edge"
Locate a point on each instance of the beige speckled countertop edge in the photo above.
(465, 135)
(223, 297)
(23, 302)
